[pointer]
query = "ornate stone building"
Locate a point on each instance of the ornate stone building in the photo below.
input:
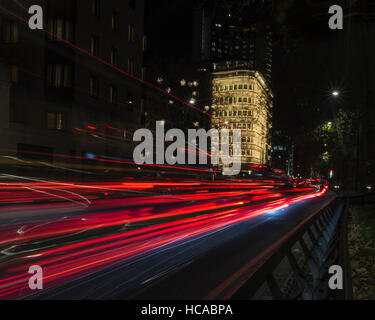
(241, 99)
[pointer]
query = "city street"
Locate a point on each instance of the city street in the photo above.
(132, 238)
(187, 150)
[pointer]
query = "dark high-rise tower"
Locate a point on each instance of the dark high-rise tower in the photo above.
(236, 32)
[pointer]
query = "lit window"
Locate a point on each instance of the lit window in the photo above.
(55, 121)
(95, 8)
(59, 121)
(130, 65)
(59, 75)
(68, 36)
(112, 94)
(58, 29)
(144, 43)
(10, 32)
(131, 33)
(14, 74)
(115, 21)
(94, 45)
(51, 120)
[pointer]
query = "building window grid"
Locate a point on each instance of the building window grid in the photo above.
(59, 75)
(60, 29)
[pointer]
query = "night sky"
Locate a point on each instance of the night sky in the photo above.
(306, 58)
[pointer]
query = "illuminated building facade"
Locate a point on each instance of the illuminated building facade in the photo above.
(242, 99)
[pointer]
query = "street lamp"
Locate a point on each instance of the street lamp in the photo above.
(335, 93)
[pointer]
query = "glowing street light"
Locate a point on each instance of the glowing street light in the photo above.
(335, 93)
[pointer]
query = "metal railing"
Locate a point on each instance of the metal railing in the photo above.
(298, 268)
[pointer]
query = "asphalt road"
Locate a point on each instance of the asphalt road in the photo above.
(143, 240)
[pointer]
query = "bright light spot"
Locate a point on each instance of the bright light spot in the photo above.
(159, 80)
(90, 155)
(335, 93)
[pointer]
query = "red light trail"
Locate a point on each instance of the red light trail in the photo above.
(195, 212)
